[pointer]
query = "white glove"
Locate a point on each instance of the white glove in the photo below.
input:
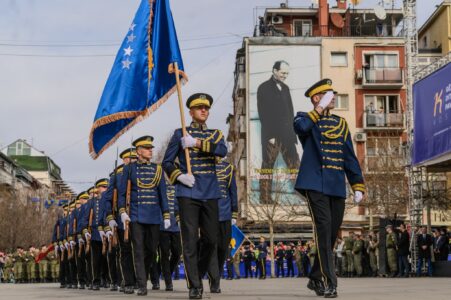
(125, 218)
(233, 221)
(81, 241)
(112, 224)
(187, 179)
(272, 141)
(62, 248)
(102, 234)
(326, 100)
(167, 223)
(87, 235)
(66, 245)
(109, 234)
(188, 141)
(56, 251)
(72, 244)
(358, 196)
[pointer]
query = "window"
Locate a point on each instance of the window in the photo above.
(382, 60)
(382, 104)
(342, 102)
(339, 59)
(302, 27)
(11, 150)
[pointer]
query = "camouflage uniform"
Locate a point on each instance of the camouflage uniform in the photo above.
(349, 244)
(392, 256)
(54, 265)
(373, 250)
(8, 274)
(19, 267)
(31, 266)
(43, 268)
(312, 253)
(357, 255)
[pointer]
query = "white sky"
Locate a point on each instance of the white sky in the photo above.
(51, 101)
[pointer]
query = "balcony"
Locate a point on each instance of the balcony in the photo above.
(382, 77)
(383, 121)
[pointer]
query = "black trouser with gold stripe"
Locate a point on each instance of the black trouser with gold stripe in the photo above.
(112, 264)
(327, 215)
(216, 266)
(81, 264)
(96, 261)
(145, 239)
(126, 259)
(198, 215)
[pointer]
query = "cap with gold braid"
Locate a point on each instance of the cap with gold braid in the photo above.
(91, 190)
(72, 204)
(324, 85)
(199, 99)
(144, 141)
(130, 152)
(83, 195)
(102, 182)
(118, 170)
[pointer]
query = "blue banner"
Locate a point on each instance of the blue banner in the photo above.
(48, 203)
(62, 202)
(237, 239)
(142, 76)
(432, 116)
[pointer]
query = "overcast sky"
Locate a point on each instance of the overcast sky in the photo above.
(50, 88)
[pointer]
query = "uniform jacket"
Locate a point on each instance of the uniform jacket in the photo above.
(202, 162)
(228, 203)
(96, 226)
(173, 209)
(108, 200)
(148, 198)
(328, 156)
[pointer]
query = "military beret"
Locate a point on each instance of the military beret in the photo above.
(199, 99)
(144, 141)
(324, 85)
(102, 182)
(130, 152)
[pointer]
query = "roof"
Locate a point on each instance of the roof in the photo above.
(434, 15)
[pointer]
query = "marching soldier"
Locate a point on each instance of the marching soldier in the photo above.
(79, 253)
(197, 193)
(143, 210)
(58, 242)
(93, 231)
(228, 213)
(113, 219)
(391, 243)
(170, 244)
(86, 212)
(71, 237)
(327, 159)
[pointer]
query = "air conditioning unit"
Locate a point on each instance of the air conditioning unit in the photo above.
(359, 74)
(277, 19)
(360, 137)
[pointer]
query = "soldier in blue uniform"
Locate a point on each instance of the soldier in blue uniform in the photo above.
(71, 237)
(79, 254)
(84, 219)
(228, 213)
(328, 159)
(96, 234)
(170, 243)
(59, 237)
(148, 206)
(197, 193)
(113, 219)
(67, 245)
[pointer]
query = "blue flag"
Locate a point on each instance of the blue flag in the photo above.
(142, 76)
(48, 203)
(237, 239)
(62, 202)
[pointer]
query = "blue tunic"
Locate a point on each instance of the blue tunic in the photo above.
(228, 203)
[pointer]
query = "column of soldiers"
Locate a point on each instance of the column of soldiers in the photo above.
(130, 227)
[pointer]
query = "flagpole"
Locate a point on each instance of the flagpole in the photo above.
(182, 114)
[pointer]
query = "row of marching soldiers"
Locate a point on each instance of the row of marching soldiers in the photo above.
(111, 235)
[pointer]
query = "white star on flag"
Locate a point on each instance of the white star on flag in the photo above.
(126, 64)
(131, 38)
(128, 51)
(132, 27)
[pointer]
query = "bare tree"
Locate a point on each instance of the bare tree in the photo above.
(283, 207)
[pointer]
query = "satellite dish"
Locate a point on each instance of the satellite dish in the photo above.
(380, 12)
(337, 20)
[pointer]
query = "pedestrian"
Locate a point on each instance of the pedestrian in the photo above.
(349, 244)
(328, 159)
(248, 259)
(197, 192)
(298, 258)
(403, 251)
(442, 246)
(261, 258)
(289, 256)
(237, 259)
(280, 256)
(424, 244)
(340, 266)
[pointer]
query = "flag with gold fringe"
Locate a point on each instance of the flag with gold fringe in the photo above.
(142, 77)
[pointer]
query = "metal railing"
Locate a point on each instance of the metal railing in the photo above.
(381, 120)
